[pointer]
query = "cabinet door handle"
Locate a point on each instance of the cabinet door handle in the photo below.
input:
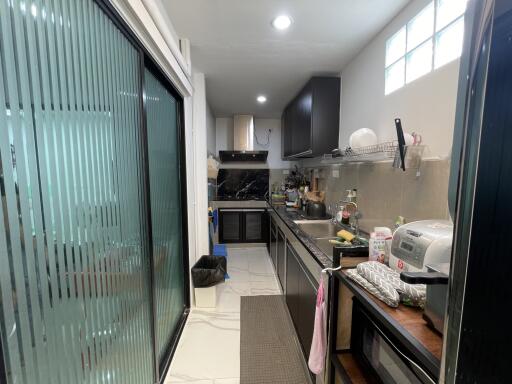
(308, 152)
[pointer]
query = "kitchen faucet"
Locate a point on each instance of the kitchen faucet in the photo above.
(334, 208)
(355, 215)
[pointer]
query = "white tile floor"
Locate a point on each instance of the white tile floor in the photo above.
(209, 348)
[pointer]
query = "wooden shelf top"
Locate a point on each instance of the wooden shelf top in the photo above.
(412, 320)
(349, 366)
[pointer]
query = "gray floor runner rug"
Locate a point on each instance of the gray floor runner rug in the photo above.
(269, 349)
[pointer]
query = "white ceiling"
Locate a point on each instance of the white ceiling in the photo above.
(242, 55)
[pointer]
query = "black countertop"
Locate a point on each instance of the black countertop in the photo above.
(289, 215)
(234, 198)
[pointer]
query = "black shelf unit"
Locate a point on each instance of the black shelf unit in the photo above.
(387, 326)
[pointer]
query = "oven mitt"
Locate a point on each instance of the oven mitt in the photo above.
(392, 298)
(410, 294)
(379, 280)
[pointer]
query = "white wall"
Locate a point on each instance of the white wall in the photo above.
(224, 137)
(223, 134)
(159, 40)
(211, 131)
(200, 164)
(426, 106)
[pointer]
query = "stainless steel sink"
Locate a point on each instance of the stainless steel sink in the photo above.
(319, 229)
(325, 246)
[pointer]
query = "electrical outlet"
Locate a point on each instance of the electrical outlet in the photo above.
(336, 173)
(286, 172)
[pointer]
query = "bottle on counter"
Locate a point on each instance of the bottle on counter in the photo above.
(399, 221)
(377, 244)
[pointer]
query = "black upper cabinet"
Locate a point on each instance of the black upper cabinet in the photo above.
(286, 139)
(310, 122)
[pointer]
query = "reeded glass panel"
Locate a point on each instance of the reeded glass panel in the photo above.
(166, 215)
(74, 290)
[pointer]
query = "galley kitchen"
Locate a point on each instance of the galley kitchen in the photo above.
(255, 192)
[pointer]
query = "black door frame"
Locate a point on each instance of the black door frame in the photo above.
(3, 371)
(476, 332)
(148, 63)
(146, 60)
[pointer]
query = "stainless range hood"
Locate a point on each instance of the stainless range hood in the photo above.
(243, 142)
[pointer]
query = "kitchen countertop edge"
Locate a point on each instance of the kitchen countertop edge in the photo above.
(321, 258)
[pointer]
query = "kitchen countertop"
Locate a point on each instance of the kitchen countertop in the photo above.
(238, 204)
(325, 261)
(288, 216)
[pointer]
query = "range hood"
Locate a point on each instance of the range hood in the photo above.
(243, 142)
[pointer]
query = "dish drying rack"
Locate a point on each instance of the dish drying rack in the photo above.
(382, 150)
(387, 150)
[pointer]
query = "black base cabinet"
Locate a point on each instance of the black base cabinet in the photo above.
(240, 225)
(273, 242)
(281, 258)
(300, 298)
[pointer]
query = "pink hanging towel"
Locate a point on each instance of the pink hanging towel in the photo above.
(319, 344)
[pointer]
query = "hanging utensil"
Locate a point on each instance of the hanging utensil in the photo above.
(401, 141)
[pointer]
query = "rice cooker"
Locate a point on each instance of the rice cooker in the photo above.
(419, 243)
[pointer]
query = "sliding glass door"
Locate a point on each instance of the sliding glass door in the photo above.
(166, 213)
(79, 302)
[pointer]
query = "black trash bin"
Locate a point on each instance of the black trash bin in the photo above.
(209, 271)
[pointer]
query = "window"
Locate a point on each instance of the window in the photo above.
(430, 40)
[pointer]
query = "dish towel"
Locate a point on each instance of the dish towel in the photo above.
(319, 343)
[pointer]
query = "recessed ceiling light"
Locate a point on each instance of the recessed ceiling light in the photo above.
(282, 22)
(261, 99)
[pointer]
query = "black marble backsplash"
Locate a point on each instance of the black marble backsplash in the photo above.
(242, 184)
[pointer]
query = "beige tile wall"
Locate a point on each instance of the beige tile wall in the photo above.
(276, 177)
(385, 192)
